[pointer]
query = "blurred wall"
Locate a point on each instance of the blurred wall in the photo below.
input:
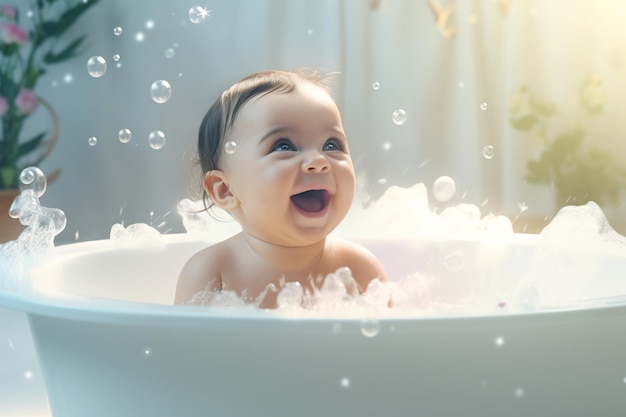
(439, 71)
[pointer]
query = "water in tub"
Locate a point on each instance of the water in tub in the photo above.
(567, 254)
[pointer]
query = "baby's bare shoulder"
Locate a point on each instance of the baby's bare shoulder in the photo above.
(364, 265)
(202, 269)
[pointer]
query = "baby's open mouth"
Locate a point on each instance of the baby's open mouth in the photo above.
(312, 201)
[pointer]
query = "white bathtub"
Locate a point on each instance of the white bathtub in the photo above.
(110, 345)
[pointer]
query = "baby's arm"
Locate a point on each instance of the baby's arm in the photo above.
(199, 271)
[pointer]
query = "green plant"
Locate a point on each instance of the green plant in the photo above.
(577, 169)
(24, 57)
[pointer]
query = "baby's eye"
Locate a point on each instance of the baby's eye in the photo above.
(334, 145)
(282, 145)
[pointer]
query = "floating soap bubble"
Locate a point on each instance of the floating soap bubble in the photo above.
(455, 261)
(461, 84)
(375, 85)
(309, 32)
(150, 24)
(197, 14)
(345, 382)
(33, 178)
(488, 151)
(230, 147)
(519, 392)
(92, 141)
(399, 117)
(27, 176)
(139, 37)
(96, 66)
(370, 327)
(483, 106)
(499, 341)
(169, 53)
(156, 139)
(117, 31)
(116, 57)
(160, 91)
(444, 189)
(68, 78)
(124, 135)
(387, 146)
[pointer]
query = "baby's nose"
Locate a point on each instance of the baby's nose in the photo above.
(315, 162)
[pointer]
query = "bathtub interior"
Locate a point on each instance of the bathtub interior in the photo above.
(460, 266)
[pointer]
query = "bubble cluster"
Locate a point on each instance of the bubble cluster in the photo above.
(96, 66)
(230, 147)
(124, 135)
(375, 85)
(42, 225)
(156, 139)
(160, 91)
(444, 189)
(399, 117)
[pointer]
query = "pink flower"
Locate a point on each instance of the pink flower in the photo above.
(12, 33)
(4, 106)
(8, 11)
(26, 101)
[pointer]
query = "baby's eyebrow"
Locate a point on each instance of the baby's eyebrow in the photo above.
(290, 130)
(274, 131)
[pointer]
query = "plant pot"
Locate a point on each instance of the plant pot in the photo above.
(10, 228)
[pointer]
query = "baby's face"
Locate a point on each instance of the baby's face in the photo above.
(291, 172)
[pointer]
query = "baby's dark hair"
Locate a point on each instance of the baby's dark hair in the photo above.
(217, 124)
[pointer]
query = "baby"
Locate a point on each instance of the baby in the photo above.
(274, 155)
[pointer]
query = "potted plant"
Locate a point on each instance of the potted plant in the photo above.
(28, 45)
(578, 170)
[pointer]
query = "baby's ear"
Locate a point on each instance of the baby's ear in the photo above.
(216, 185)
